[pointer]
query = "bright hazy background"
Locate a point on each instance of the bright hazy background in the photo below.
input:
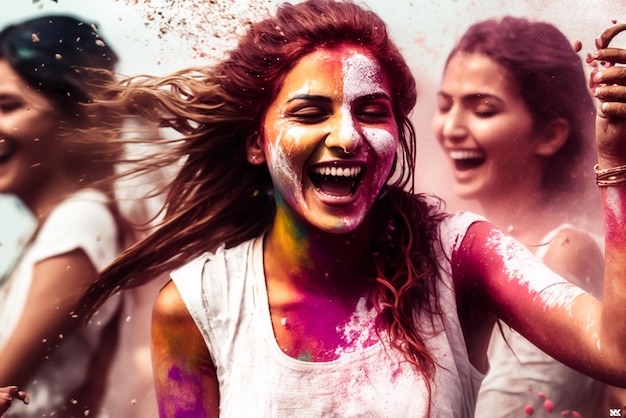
(161, 36)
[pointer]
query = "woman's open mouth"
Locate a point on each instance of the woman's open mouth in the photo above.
(335, 180)
(467, 159)
(7, 149)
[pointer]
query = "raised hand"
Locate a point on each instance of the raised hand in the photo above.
(7, 394)
(608, 85)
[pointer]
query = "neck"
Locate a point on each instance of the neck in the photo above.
(527, 218)
(49, 196)
(301, 256)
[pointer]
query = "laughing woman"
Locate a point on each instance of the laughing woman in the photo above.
(58, 173)
(516, 118)
(308, 279)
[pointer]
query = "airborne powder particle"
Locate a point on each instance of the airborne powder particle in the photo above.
(207, 28)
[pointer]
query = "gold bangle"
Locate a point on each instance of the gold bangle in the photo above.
(614, 176)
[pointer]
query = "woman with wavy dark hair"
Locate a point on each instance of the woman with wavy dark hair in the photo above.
(308, 277)
(516, 120)
(62, 175)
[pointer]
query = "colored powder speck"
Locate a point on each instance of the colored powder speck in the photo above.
(174, 374)
(529, 410)
(548, 405)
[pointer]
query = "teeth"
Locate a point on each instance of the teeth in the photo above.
(466, 154)
(338, 171)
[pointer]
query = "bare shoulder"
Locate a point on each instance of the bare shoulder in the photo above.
(576, 255)
(169, 307)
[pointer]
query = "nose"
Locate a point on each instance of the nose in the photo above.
(451, 125)
(345, 133)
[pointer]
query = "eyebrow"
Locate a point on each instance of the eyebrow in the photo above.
(473, 97)
(324, 99)
(310, 97)
(375, 96)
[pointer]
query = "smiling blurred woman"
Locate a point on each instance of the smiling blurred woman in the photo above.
(516, 120)
(58, 173)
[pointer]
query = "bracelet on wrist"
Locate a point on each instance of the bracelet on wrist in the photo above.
(614, 176)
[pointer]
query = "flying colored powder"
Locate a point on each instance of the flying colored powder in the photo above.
(529, 410)
(206, 27)
(548, 405)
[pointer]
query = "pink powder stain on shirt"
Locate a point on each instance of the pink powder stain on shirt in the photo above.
(359, 332)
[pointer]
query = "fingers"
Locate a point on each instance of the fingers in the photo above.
(611, 55)
(612, 110)
(607, 82)
(23, 396)
(608, 77)
(7, 394)
(607, 36)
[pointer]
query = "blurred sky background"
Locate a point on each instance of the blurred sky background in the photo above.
(162, 36)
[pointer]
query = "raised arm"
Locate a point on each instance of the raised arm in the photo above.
(608, 84)
(184, 375)
(562, 320)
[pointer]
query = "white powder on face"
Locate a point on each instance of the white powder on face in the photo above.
(522, 267)
(347, 129)
(362, 77)
(283, 171)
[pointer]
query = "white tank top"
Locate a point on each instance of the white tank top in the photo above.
(226, 295)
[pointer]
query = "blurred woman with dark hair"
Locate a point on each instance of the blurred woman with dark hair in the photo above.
(516, 120)
(49, 71)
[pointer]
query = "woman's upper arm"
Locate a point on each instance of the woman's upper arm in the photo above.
(576, 256)
(515, 285)
(47, 315)
(185, 379)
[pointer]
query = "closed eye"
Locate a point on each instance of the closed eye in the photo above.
(376, 108)
(375, 113)
(10, 106)
(308, 114)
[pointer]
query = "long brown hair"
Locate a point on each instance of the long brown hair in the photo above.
(218, 197)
